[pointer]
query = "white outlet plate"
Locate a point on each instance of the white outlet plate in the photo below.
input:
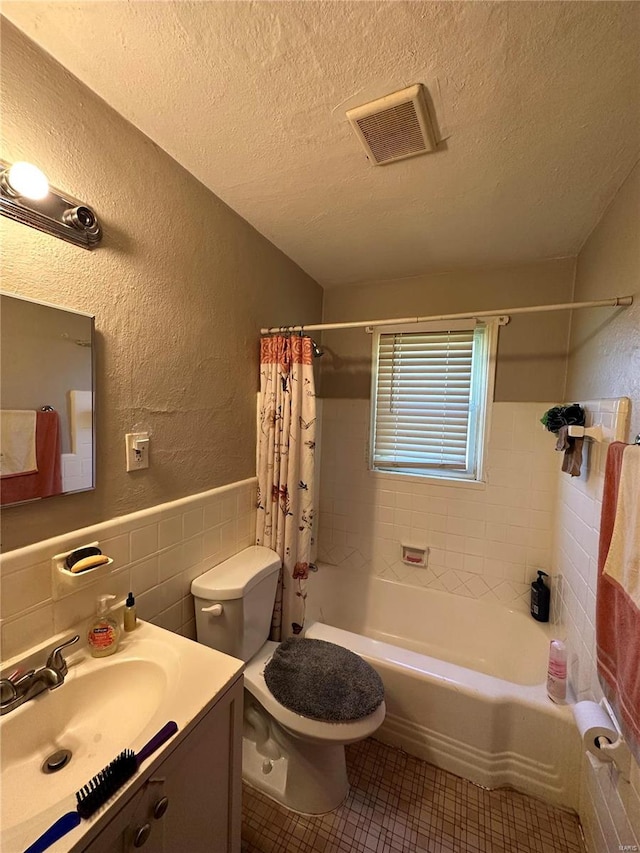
(137, 450)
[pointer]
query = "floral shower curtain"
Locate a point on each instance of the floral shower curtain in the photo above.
(286, 456)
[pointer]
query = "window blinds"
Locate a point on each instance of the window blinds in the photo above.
(424, 398)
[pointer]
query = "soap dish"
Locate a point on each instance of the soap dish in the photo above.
(414, 555)
(66, 582)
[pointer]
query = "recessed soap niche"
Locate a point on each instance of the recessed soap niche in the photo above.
(414, 555)
(65, 582)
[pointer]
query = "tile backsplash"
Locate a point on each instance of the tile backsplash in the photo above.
(488, 541)
(157, 552)
(484, 540)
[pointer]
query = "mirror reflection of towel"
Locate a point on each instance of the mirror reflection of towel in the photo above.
(572, 451)
(17, 442)
(47, 480)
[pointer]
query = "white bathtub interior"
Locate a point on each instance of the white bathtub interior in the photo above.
(464, 680)
(483, 636)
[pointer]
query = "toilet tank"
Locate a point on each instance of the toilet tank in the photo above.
(241, 591)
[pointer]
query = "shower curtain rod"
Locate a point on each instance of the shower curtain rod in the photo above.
(564, 306)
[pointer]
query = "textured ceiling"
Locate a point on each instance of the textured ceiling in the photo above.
(537, 103)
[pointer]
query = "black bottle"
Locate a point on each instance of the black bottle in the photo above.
(540, 596)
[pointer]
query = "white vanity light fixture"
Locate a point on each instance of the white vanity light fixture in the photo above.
(25, 196)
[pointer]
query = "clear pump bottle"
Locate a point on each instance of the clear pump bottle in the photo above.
(104, 633)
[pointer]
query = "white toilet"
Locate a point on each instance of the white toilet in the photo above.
(296, 760)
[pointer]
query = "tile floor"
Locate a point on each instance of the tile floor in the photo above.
(400, 804)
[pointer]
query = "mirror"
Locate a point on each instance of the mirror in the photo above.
(47, 429)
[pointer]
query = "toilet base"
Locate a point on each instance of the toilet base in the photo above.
(297, 761)
(305, 777)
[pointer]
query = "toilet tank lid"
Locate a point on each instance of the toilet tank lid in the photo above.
(237, 575)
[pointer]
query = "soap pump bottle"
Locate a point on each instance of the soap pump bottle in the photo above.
(540, 598)
(104, 633)
(129, 617)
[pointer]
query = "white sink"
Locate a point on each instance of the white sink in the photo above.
(75, 716)
(104, 706)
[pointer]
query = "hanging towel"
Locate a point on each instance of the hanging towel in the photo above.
(623, 560)
(618, 593)
(17, 442)
(47, 480)
(572, 451)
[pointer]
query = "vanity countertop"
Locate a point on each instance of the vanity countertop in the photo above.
(104, 706)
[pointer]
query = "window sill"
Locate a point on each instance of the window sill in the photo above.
(456, 482)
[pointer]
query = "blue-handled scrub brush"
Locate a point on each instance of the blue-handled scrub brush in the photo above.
(99, 790)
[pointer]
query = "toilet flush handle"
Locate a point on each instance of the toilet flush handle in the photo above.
(214, 610)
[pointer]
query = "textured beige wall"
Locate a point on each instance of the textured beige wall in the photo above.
(532, 349)
(604, 355)
(180, 287)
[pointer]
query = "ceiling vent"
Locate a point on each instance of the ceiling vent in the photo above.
(394, 127)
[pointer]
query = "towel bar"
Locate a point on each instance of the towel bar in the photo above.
(595, 433)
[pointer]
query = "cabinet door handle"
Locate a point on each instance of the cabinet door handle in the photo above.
(160, 807)
(141, 835)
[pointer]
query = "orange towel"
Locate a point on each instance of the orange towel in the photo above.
(47, 480)
(617, 619)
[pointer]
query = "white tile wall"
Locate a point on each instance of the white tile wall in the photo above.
(157, 552)
(488, 541)
(610, 807)
(77, 466)
(484, 540)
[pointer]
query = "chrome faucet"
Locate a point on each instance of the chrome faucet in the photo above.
(23, 686)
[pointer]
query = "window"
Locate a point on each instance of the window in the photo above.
(431, 388)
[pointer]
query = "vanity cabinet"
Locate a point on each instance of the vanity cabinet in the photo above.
(192, 800)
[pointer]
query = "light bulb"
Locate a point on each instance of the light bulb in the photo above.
(28, 181)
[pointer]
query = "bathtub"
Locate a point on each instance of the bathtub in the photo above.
(464, 680)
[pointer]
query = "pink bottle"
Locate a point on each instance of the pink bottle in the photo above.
(557, 672)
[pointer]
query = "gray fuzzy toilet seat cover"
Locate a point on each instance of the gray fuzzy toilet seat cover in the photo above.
(323, 681)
